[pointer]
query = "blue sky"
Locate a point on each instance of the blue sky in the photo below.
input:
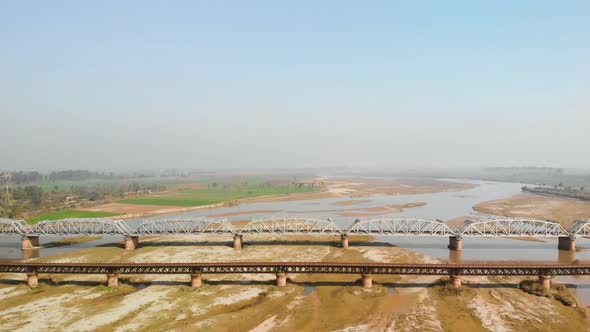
(126, 84)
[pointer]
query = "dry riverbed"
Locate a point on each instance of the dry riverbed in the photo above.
(253, 303)
(563, 210)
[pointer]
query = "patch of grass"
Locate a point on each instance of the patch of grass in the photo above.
(69, 214)
(198, 197)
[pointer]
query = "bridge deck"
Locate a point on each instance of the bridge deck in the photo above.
(299, 267)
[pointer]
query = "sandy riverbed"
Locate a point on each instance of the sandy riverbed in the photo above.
(246, 302)
(563, 210)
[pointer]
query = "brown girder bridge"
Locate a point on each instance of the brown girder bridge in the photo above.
(281, 269)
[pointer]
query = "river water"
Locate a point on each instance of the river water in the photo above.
(442, 205)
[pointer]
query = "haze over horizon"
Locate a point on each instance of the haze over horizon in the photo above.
(138, 84)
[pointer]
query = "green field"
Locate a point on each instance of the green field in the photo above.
(197, 197)
(69, 214)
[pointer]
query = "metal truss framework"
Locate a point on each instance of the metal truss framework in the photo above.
(299, 267)
(512, 227)
(80, 226)
(12, 227)
(581, 228)
(401, 227)
(290, 226)
(167, 226)
(500, 227)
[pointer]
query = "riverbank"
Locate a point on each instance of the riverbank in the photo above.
(252, 302)
(332, 188)
(563, 210)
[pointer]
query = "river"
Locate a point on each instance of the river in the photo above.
(442, 205)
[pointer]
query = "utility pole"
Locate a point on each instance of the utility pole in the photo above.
(7, 187)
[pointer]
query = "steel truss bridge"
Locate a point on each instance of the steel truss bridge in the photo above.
(489, 269)
(496, 227)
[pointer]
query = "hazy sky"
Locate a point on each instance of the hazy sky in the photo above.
(139, 84)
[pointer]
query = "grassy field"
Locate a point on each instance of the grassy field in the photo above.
(197, 197)
(69, 214)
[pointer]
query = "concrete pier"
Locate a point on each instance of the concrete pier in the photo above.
(281, 279)
(238, 241)
(455, 242)
(566, 243)
(32, 279)
(135, 240)
(112, 279)
(367, 280)
(344, 241)
(129, 243)
(31, 253)
(196, 280)
(455, 281)
(29, 242)
(545, 282)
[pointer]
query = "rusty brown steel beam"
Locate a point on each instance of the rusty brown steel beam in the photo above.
(299, 267)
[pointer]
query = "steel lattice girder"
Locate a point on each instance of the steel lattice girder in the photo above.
(81, 226)
(299, 267)
(13, 227)
(166, 226)
(580, 227)
(290, 226)
(513, 227)
(401, 226)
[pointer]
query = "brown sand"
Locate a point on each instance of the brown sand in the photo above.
(563, 210)
(347, 203)
(239, 213)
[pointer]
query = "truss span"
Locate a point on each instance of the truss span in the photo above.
(290, 226)
(512, 227)
(580, 228)
(13, 227)
(168, 226)
(401, 227)
(81, 226)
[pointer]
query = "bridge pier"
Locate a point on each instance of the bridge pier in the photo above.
(545, 282)
(32, 279)
(344, 241)
(196, 280)
(135, 240)
(455, 281)
(238, 241)
(29, 242)
(281, 279)
(455, 243)
(112, 279)
(131, 242)
(31, 253)
(367, 280)
(567, 243)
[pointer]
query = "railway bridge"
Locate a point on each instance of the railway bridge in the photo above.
(281, 269)
(386, 226)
